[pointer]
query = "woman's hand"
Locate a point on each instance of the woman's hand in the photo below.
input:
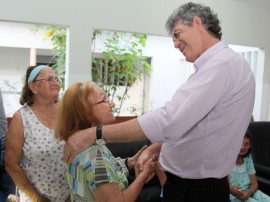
(39, 198)
(236, 192)
(149, 169)
(141, 161)
(246, 195)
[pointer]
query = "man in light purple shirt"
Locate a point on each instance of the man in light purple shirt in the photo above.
(198, 134)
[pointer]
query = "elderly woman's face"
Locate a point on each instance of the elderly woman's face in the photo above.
(46, 84)
(103, 106)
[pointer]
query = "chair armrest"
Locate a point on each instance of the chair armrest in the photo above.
(262, 171)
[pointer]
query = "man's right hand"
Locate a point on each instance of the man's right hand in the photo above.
(78, 142)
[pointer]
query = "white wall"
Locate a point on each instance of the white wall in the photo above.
(166, 67)
(242, 24)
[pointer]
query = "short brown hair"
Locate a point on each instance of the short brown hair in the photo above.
(74, 112)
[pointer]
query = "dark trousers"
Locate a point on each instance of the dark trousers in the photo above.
(6, 185)
(177, 189)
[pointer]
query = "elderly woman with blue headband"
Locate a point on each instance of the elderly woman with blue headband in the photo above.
(33, 157)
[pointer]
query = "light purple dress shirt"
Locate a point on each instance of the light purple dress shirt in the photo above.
(202, 127)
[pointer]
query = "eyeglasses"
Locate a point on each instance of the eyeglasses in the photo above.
(50, 80)
(176, 35)
(105, 100)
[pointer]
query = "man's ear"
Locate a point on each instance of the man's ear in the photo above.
(197, 22)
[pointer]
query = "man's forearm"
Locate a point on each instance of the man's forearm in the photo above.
(122, 132)
(128, 131)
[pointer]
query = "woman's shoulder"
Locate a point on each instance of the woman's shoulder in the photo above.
(248, 157)
(93, 153)
(24, 109)
(17, 116)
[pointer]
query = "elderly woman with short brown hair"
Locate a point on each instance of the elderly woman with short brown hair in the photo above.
(95, 174)
(33, 157)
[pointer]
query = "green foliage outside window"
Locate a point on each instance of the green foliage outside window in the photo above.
(121, 63)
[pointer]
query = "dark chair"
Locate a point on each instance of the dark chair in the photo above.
(260, 137)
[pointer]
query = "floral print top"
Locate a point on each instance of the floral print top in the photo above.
(241, 172)
(42, 159)
(241, 177)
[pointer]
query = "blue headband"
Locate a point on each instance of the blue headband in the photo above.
(35, 72)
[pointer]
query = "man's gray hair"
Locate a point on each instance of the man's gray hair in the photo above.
(188, 11)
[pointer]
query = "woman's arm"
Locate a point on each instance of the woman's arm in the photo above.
(253, 186)
(110, 192)
(13, 154)
(235, 190)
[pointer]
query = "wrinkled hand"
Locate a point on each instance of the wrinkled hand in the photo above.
(245, 195)
(141, 161)
(149, 169)
(39, 198)
(132, 160)
(236, 192)
(78, 142)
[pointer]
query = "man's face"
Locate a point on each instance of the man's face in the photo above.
(187, 39)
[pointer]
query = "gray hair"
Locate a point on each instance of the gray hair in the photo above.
(188, 11)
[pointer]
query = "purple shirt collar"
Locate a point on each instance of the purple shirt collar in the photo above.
(199, 62)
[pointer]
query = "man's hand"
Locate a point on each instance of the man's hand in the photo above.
(78, 142)
(132, 160)
(151, 151)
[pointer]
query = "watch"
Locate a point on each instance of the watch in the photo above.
(99, 132)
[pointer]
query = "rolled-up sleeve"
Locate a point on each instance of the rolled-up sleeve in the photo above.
(202, 99)
(150, 125)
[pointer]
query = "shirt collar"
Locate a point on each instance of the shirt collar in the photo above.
(209, 53)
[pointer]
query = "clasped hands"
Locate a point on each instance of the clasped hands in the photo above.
(238, 193)
(144, 162)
